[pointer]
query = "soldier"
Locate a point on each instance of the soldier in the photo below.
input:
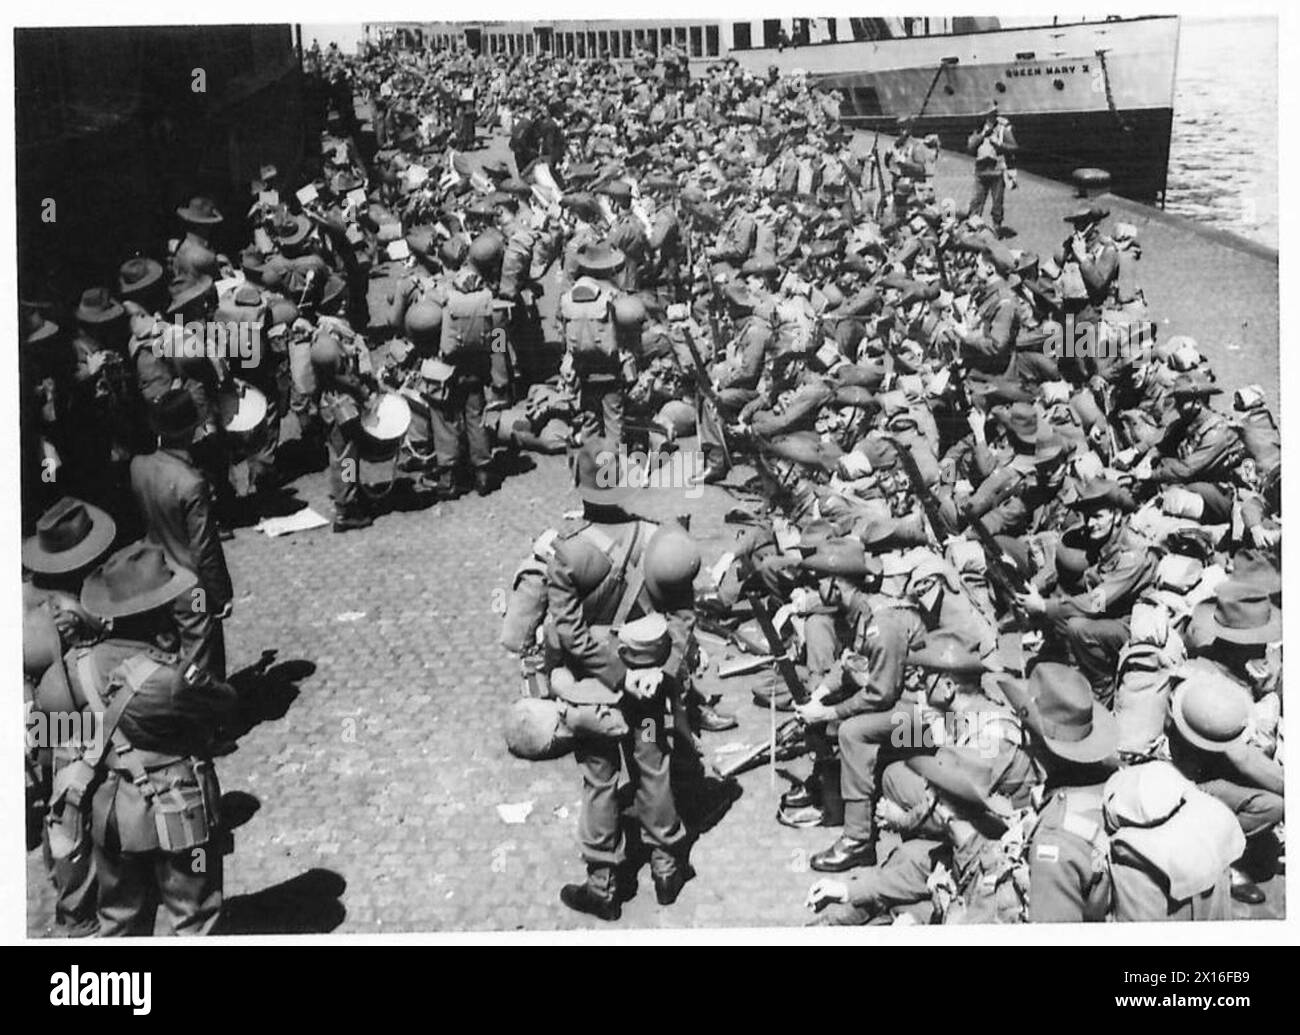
(1170, 846)
(608, 569)
(992, 144)
(473, 327)
(586, 318)
(1118, 566)
(627, 235)
(526, 255)
(154, 820)
(1199, 451)
(1212, 743)
(194, 256)
(339, 367)
(71, 537)
(1074, 738)
(178, 507)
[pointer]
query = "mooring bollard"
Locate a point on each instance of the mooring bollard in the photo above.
(1088, 183)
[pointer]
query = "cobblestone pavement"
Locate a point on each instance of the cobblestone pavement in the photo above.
(371, 803)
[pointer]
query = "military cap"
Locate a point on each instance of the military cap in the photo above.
(583, 172)
(844, 557)
(948, 650)
(616, 189)
(645, 643)
(583, 204)
(599, 258)
(805, 447)
(1087, 214)
(1194, 384)
(963, 775)
(824, 249)
(1097, 493)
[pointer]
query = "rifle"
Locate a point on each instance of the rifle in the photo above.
(789, 732)
(922, 491)
(879, 171)
(1006, 583)
(705, 387)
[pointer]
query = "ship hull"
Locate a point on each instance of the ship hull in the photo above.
(1070, 105)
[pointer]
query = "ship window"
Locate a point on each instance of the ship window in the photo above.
(802, 34)
(615, 43)
(627, 42)
(711, 40)
(771, 32)
(1024, 55)
(652, 41)
(697, 41)
(740, 36)
(603, 38)
(1000, 86)
(591, 44)
(582, 44)
(569, 47)
(679, 35)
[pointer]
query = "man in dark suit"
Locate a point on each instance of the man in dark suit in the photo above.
(176, 501)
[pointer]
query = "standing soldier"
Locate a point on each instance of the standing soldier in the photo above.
(338, 364)
(195, 257)
(991, 145)
(472, 331)
(626, 235)
(526, 257)
(608, 569)
(154, 819)
(71, 536)
(586, 319)
(176, 500)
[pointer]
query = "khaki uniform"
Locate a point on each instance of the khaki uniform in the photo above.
(1069, 870)
(1095, 624)
(154, 817)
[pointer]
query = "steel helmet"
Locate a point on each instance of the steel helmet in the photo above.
(671, 562)
(629, 312)
(326, 350)
(535, 729)
(424, 323)
(452, 252)
(485, 252)
(677, 417)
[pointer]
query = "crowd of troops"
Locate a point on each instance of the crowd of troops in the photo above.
(1027, 597)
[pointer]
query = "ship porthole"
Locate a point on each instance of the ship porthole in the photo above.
(1059, 83)
(949, 90)
(1000, 87)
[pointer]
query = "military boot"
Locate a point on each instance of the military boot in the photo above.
(670, 873)
(347, 519)
(597, 896)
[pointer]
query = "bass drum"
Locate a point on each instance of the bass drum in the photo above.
(245, 415)
(384, 426)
